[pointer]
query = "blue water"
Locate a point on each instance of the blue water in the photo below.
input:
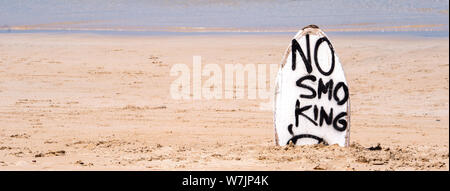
(426, 16)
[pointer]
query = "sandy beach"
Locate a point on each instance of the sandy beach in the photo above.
(99, 102)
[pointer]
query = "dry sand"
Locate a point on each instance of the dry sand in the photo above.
(93, 102)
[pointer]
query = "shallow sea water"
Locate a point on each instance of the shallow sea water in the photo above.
(151, 17)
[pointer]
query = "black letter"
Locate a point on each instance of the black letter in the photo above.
(343, 122)
(323, 88)
(343, 100)
(316, 50)
(324, 116)
(296, 47)
(299, 84)
(316, 112)
(299, 111)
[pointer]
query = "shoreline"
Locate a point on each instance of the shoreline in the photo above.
(430, 34)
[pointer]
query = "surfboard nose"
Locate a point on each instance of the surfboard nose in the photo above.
(311, 26)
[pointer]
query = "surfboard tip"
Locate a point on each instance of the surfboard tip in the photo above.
(311, 26)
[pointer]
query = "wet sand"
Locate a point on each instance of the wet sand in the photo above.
(98, 102)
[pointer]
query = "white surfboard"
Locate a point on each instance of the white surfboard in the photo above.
(312, 101)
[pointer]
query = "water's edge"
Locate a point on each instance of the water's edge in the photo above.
(221, 33)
